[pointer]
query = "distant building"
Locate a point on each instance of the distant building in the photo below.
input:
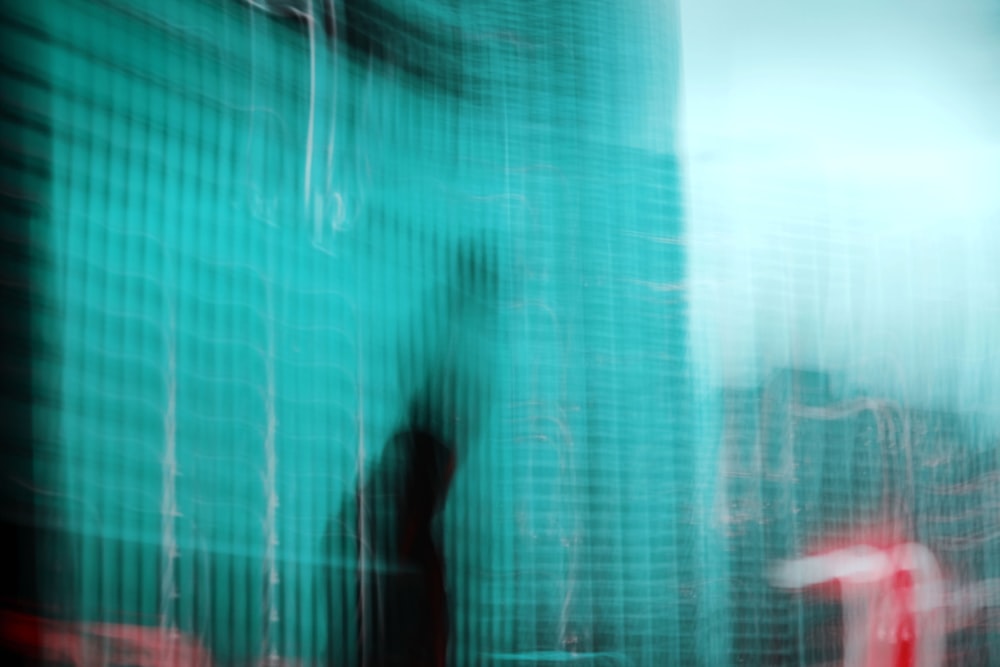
(805, 467)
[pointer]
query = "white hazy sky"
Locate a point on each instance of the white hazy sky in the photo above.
(843, 184)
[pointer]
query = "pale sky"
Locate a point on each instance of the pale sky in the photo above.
(843, 192)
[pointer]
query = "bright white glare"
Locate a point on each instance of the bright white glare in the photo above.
(842, 201)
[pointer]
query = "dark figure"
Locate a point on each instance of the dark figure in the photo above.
(411, 626)
(388, 602)
(402, 616)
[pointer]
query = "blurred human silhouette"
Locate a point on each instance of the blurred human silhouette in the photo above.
(423, 607)
(385, 560)
(402, 616)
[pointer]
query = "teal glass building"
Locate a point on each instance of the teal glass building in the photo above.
(251, 227)
(245, 242)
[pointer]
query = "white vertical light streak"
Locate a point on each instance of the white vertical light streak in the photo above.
(168, 500)
(270, 492)
(362, 539)
(311, 23)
